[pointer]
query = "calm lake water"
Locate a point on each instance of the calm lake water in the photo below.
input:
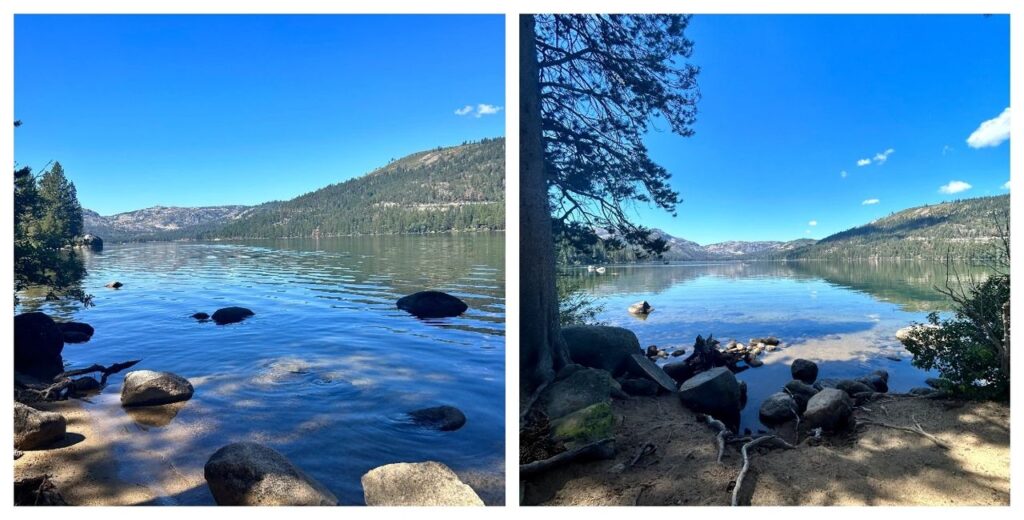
(324, 372)
(842, 315)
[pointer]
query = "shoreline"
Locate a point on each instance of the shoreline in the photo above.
(867, 466)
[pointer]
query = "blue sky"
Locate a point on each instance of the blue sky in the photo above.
(791, 102)
(208, 110)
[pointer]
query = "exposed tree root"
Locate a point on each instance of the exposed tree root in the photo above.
(746, 460)
(598, 449)
(915, 429)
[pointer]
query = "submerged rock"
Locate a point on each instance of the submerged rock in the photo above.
(641, 307)
(715, 392)
(804, 370)
(875, 381)
(602, 347)
(416, 484)
(148, 387)
(829, 409)
(201, 316)
(34, 429)
(38, 344)
(250, 474)
(114, 285)
(432, 304)
(231, 315)
(443, 418)
(75, 332)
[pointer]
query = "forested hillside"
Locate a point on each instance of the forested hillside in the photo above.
(460, 188)
(963, 228)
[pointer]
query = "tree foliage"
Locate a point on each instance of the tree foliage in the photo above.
(603, 79)
(47, 218)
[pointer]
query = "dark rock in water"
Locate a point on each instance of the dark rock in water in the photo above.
(38, 344)
(852, 387)
(75, 332)
(801, 392)
(432, 304)
(416, 484)
(753, 361)
(34, 429)
(576, 389)
(893, 357)
(443, 418)
(605, 348)
(147, 388)
(777, 409)
(875, 381)
(804, 370)
(680, 352)
(882, 374)
(639, 387)
(250, 474)
(640, 308)
(231, 315)
(830, 409)
(86, 384)
(715, 392)
(201, 316)
(647, 368)
(114, 285)
(770, 340)
(652, 351)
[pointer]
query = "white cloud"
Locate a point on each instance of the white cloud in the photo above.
(870, 202)
(954, 187)
(881, 157)
(992, 132)
(483, 109)
(464, 110)
(1006, 185)
(863, 162)
(812, 223)
(842, 174)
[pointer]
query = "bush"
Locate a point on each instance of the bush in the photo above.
(967, 349)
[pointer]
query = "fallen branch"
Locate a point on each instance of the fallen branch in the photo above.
(916, 429)
(106, 371)
(63, 386)
(599, 448)
(746, 460)
(646, 449)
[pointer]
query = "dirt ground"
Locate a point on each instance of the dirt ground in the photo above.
(872, 465)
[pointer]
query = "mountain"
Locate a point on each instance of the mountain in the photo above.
(682, 250)
(459, 188)
(962, 228)
(452, 189)
(159, 222)
(740, 249)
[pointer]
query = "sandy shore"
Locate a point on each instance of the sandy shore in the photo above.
(870, 466)
(85, 468)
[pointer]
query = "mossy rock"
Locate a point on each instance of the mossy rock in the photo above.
(584, 426)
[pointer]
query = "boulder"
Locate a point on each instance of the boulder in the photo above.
(882, 374)
(639, 387)
(250, 474)
(201, 316)
(114, 285)
(147, 387)
(801, 393)
(743, 394)
(770, 340)
(804, 370)
(605, 348)
(432, 304)
(75, 332)
(715, 392)
(777, 409)
(641, 307)
(575, 389)
(231, 315)
(34, 429)
(753, 361)
(829, 409)
(875, 381)
(443, 418)
(38, 343)
(582, 427)
(852, 387)
(677, 353)
(417, 484)
(86, 384)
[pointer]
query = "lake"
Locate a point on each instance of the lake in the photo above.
(842, 315)
(324, 372)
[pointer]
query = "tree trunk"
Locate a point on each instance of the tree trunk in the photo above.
(542, 350)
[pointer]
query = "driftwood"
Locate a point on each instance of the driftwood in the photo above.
(915, 429)
(746, 460)
(594, 449)
(63, 386)
(705, 356)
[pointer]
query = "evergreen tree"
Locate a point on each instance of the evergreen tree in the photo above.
(62, 214)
